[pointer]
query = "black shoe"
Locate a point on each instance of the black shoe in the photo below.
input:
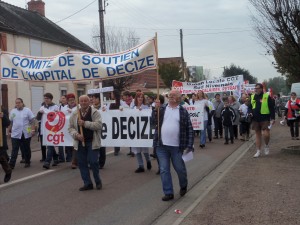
(55, 163)
(153, 156)
(22, 161)
(167, 197)
(149, 166)
(99, 186)
(12, 166)
(209, 140)
(27, 165)
(202, 146)
(183, 191)
(7, 177)
(46, 166)
(86, 187)
(139, 170)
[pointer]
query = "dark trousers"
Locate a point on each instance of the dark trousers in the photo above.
(245, 128)
(235, 130)
(228, 130)
(4, 163)
(24, 144)
(43, 148)
(294, 128)
(102, 156)
(218, 126)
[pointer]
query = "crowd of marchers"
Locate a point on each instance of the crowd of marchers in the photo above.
(225, 116)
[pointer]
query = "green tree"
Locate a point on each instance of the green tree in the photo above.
(278, 84)
(169, 72)
(277, 25)
(234, 70)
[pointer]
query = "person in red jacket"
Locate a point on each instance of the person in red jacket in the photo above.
(292, 110)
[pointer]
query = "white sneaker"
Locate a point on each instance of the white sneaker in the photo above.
(267, 150)
(257, 154)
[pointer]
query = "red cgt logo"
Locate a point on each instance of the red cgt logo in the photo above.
(55, 121)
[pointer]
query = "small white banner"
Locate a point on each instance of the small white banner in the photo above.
(55, 129)
(196, 115)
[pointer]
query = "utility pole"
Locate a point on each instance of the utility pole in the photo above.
(182, 59)
(101, 22)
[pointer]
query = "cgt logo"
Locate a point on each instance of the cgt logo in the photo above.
(55, 122)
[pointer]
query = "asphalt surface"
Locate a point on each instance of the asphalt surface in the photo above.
(226, 186)
(262, 191)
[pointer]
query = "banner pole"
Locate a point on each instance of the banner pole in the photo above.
(157, 82)
(1, 132)
(78, 110)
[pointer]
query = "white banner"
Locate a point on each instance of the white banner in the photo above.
(55, 129)
(210, 86)
(197, 115)
(78, 66)
(249, 88)
(127, 128)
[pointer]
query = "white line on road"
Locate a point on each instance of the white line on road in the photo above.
(25, 178)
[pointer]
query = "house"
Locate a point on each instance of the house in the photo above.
(29, 32)
(147, 80)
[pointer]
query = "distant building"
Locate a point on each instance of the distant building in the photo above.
(29, 32)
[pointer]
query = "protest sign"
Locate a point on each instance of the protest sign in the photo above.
(55, 129)
(222, 84)
(78, 66)
(196, 113)
(128, 128)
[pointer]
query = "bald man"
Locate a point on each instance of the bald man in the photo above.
(173, 134)
(87, 143)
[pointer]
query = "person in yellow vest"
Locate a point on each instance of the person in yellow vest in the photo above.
(262, 111)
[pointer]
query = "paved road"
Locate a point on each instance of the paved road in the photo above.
(36, 196)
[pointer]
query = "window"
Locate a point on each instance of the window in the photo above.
(35, 47)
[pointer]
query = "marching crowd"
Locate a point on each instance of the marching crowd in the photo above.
(173, 136)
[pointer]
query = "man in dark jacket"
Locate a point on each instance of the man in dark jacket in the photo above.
(228, 116)
(173, 134)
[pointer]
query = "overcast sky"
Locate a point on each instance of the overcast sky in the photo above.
(215, 33)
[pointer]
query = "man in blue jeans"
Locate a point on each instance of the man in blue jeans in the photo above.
(87, 141)
(173, 134)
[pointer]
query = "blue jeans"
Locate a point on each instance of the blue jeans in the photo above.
(203, 133)
(51, 153)
(24, 145)
(165, 154)
(140, 158)
(87, 156)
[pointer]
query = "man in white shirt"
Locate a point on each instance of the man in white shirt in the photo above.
(21, 129)
(173, 134)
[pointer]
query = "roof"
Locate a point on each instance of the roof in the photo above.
(19, 21)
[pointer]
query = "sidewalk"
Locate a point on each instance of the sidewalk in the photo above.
(262, 191)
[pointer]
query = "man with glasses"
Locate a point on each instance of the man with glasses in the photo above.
(263, 116)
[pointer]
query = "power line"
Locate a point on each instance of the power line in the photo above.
(76, 12)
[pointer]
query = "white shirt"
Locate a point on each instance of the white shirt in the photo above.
(170, 127)
(21, 122)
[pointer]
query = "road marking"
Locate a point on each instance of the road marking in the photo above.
(25, 178)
